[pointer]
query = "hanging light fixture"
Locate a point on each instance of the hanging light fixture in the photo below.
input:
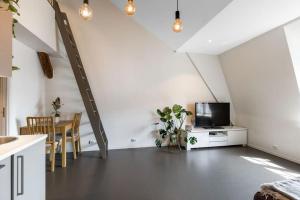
(130, 8)
(85, 11)
(177, 26)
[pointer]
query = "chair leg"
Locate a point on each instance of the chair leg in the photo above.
(79, 145)
(74, 149)
(52, 158)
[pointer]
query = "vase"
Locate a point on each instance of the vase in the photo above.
(57, 119)
(173, 140)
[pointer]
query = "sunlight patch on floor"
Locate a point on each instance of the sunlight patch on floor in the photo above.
(272, 167)
(284, 174)
(263, 162)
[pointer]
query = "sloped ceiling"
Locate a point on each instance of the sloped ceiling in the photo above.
(157, 16)
(239, 22)
(213, 26)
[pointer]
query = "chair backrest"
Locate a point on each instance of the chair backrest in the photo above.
(41, 125)
(76, 123)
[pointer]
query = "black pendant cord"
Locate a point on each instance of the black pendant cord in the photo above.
(177, 13)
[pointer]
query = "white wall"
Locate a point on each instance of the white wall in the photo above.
(211, 70)
(292, 32)
(26, 88)
(36, 25)
(264, 90)
(131, 72)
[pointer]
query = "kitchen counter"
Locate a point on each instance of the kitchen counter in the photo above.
(21, 143)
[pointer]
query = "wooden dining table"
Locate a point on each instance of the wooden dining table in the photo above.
(61, 127)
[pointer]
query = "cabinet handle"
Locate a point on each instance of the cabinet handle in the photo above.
(20, 175)
(2, 166)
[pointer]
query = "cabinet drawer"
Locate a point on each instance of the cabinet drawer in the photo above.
(218, 144)
(218, 139)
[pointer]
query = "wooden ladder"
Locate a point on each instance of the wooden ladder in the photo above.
(81, 79)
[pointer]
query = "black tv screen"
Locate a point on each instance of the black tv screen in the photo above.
(212, 114)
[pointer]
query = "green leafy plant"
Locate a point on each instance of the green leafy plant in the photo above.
(56, 104)
(172, 120)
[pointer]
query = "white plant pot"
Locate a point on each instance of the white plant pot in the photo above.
(57, 119)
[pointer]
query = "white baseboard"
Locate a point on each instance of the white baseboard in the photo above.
(123, 147)
(286, 157)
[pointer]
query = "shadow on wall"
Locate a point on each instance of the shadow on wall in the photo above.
(19, 125)
(64, 85)
(40, 107)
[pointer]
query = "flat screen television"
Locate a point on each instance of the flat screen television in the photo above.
(209, 115)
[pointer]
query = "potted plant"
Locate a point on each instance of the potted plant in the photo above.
(172, 121)
(56, 104)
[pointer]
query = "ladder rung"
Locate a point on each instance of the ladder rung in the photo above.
(72, 42)
(82, 73)
(68, 30)
(78, 58)
(65, 22)
(81, 70)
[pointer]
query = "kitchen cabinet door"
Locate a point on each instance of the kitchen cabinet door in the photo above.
(5, 179)
(29, 173)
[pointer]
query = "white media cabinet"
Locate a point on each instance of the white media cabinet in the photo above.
(228, 136)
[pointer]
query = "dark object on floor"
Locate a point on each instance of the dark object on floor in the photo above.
(46, 64)
(288, 189)
(267, 194)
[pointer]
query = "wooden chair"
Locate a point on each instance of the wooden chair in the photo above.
(44, 125)
(74, 136)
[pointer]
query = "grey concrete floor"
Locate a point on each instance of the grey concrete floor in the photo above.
(231, 173)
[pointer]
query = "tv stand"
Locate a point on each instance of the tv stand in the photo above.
(214, 127)
(218, 136)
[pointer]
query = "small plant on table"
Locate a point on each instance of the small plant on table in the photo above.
(56, 104)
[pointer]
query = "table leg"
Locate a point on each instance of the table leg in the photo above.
(64, 150)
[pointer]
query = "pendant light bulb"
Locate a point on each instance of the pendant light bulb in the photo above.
(85, 11)
(177, 26)
(130, 8)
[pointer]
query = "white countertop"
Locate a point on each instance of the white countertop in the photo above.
(23, 142)
(226, 128)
